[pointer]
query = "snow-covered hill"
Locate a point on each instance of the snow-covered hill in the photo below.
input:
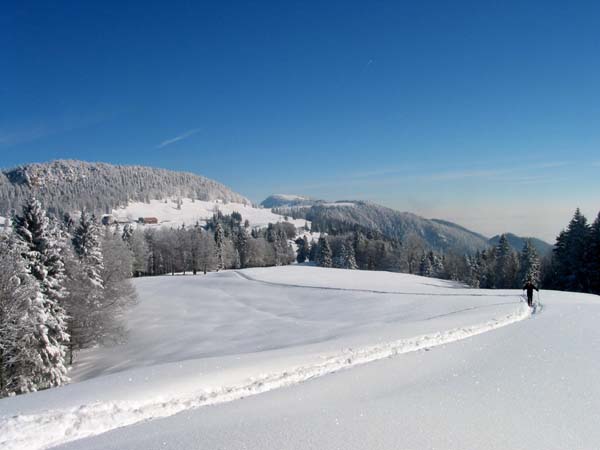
(70, 186)
(439, 235)
(277, 200)
(176, 212)
(517, 243)
(469, 368)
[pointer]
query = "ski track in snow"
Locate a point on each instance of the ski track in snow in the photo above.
(370, 291)
(54, 427)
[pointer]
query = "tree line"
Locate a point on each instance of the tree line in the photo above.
(63, 288)
(574, 264)
(366, 249)
(64, 284)
(575, 261)
(498, 267)
(224, 242)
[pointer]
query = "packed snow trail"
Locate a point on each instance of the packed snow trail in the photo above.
(198, 341)
(530, 386)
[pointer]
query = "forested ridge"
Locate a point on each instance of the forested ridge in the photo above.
(65, 186)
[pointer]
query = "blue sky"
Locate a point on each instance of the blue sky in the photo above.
(485, 113)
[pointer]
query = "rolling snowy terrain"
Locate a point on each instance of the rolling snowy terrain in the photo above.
(448, 367)
(169, 214)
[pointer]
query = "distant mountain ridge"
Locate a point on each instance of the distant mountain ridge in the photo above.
(517, 243)
(440, 235)
(277, 200)
(70, 185)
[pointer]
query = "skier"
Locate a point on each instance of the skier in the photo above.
(529, 287)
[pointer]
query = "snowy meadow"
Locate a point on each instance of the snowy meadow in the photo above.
(201, 348)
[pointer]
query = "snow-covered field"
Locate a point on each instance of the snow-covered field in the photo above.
(168, 213)
(341, 360)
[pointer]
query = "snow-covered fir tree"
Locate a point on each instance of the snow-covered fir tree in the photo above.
(571, 255)
(506, 264)
(86, 295)
(324, 255)
(474, 264)
(431, 265)
(40, 241)
(425, 267)
(241, 245)
(594, 256)
(87, 247)
(529, 269)
(127, 235)
(303, 249)
(219, 244)
(24, 355)
(348, 257)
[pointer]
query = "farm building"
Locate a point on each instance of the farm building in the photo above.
(148, 220)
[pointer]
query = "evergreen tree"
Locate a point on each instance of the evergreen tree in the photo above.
(207, 253)
(425, 267)
(87, 247)
(594, 256)
(431, 265)
(41, 252)
(529, 264)
(324, 255)
(359, 245)
(22, 323)
(283, 251)
(506, 264)
(182, 248)
(241, 246)
(219, 244)
(474, 270)
(303, 249)
(127, 235)
(571, 255)
(437, 265)
(349, 259)
(313, 253)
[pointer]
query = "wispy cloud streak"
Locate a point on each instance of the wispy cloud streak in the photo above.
(181, 137)
(23, 133)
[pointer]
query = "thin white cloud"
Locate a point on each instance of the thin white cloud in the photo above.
(465, 174)
(552, 165)
(27, 132)
(8, 138)
(386, 175)
(181, 137)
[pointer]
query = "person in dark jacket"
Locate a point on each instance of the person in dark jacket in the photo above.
(529, 287)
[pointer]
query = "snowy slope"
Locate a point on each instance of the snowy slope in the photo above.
(168, 214)
(529, 386)
(212, 340)
(277, 200)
